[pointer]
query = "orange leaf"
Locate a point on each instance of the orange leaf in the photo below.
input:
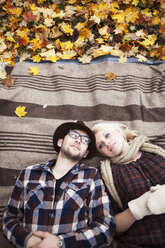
(9, 81)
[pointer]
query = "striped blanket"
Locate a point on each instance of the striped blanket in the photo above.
(65, 91)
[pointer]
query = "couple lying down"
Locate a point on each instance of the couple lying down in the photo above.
(64, 203)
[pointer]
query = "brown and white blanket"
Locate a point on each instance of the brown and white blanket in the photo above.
(64, 92)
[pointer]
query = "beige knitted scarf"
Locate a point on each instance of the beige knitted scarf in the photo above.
(140, 143)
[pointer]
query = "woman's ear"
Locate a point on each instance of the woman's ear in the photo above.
(59, 142)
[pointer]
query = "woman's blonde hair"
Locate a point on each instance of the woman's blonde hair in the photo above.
(128, 133)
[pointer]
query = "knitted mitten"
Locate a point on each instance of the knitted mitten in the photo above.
(156, 200)
(138, 206)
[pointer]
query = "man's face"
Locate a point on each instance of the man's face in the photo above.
(73, 148)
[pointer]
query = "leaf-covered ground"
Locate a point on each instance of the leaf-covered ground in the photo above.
(81, 29)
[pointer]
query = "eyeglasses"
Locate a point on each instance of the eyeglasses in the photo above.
(84, 139)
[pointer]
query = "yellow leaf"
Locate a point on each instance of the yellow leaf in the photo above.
(66, 28)
(110, 76)
(119, 17)
(34, 70)
(36, 58)
(11, 39)
(22, 33)
(135, 2)
(53, 58)
(149, 41)
(100, 40)
(20, 111)
(122, 59)
(66, 45)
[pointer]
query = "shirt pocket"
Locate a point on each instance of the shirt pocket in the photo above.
(34, 195)
(75, 196)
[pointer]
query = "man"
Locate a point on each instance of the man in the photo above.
(61, 203)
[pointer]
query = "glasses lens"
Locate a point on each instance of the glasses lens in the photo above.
(73, 134)
(85, 140)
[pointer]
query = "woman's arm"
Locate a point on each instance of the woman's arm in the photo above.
(124, 220)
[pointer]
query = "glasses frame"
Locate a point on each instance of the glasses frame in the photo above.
(79, 135)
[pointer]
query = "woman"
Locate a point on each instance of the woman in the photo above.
(131, 172)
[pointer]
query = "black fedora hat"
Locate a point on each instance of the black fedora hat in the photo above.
(63, 130)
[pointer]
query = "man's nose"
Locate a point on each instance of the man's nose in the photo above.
(78, 139)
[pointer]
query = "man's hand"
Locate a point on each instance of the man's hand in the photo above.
(48, 240)
(32, 241)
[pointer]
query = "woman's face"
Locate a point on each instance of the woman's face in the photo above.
(110, 143)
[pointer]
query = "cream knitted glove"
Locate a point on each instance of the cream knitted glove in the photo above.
(138, 206)
(156, 200)
(151, 202)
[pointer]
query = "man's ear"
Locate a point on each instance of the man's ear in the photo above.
(86, 154)
(59, 142)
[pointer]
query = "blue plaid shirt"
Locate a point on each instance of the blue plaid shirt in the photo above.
(80, 214)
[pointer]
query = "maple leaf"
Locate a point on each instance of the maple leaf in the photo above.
(3, 74)
(48, 22)
(20, 111)
(36, 58)
(34, 70)
(85, 59)
(53, 58)
(95, 18)
(48, 53)
(66, 45)
(29, 17)
(122, 59)
(10, 39)
(150, 40)
(141, 58)
(66, 28)
(8, 81)
(110, 76)
(119, 17)
(2, 45)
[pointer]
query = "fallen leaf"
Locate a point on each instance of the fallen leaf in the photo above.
(85, 59)
(122, 59)
(3, 74)
(141, 58)
(110, 76)
(34, 70)
(44, 106)
(28, 16)
(20, 111)
(8, 81)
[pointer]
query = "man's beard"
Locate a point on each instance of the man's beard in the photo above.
(70, 156)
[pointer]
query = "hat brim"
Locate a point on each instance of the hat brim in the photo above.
(63, 130)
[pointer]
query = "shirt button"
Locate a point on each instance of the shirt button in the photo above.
(51, 216)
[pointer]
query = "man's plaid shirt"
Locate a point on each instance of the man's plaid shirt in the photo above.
(80, 213)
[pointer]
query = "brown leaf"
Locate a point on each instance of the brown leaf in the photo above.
(9, 81)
